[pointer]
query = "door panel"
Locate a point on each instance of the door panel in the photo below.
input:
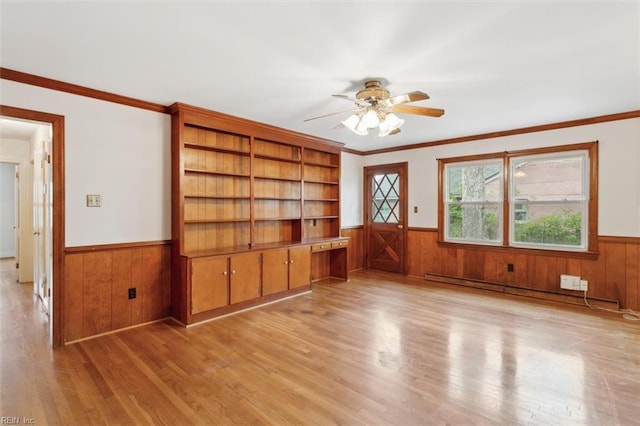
(299, 266)
(209, 284)
(275, 268)
(385, 218)
(245, 277)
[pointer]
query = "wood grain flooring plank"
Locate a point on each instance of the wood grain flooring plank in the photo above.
(381, 349)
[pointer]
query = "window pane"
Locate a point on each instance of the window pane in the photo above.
(551, 224)
(474, 222)
(385, 189)
(551, 179)
(475, 182)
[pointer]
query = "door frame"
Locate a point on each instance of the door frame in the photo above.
(58, 227)
(404, 205)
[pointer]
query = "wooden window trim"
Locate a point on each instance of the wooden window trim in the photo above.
(592, 208)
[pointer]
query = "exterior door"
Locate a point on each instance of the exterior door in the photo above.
(385, 204)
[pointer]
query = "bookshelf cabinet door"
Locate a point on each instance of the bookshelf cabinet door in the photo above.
(299, 266)
(275, 267)
(245, 276)
(209, 284)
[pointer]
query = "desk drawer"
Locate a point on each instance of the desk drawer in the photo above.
(339, 244)
(321, 246)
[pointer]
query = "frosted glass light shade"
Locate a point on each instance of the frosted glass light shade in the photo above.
(353, 123)
(389, 124)
(370, 119)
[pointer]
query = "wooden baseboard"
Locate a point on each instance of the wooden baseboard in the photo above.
(246, 305)
(116, 331)
(521, 291)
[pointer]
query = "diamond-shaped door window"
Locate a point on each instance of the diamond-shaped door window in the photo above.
(385, 207)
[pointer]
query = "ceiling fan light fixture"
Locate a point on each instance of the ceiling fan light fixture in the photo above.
(390, 123)
(370, 119)
(361, 129)
(373, 109)
(353, 123)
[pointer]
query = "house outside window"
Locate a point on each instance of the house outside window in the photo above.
(520, 213)
(536, 199)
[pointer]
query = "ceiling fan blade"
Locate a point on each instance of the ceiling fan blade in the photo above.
(333, 113)
(408, 97)
(359, 102)
(410, 109)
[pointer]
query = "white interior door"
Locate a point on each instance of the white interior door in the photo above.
(42, 222)
(16, 214)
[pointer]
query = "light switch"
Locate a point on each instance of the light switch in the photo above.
(94, 200)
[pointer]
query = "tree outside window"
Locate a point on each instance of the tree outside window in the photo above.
(548, 204)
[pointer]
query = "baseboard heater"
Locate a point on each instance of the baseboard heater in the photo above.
(522, 291)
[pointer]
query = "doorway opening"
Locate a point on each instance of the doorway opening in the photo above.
(33, 145)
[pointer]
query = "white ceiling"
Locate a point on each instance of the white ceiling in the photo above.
(491, 65)
(17, 129)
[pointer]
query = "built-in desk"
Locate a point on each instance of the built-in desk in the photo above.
(329, 258)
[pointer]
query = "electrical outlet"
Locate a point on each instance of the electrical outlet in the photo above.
(132, 293)
(509, 267)
(570, 282)
(584, 285)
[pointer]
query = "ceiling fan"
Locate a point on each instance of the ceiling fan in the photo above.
(375, 108)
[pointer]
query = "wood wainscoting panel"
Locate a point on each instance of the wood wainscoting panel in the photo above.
(96, 293)
(356, 247)
(613, 275)
(73, 289)
(632, 277)
(120, 307)
(97, 283)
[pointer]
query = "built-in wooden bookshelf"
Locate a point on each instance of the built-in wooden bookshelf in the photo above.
(216, 189)
(321, 194)
(247, 193)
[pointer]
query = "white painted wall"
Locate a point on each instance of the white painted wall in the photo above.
(351, 190)
(619, 178)
(7, 210)
(121, 153)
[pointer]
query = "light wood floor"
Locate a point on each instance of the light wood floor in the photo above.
(378, 350)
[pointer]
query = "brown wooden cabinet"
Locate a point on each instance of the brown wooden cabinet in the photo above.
(299, 266)
(244, 277)
(209, 284)
(286, 269)
(275, 271)
(246, 193)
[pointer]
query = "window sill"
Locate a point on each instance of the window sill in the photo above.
(588, 255)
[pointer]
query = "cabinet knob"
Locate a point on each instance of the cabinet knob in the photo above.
(322, 246)
(233, 272)
(224, 273)
(291, 261)
(286, 262)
